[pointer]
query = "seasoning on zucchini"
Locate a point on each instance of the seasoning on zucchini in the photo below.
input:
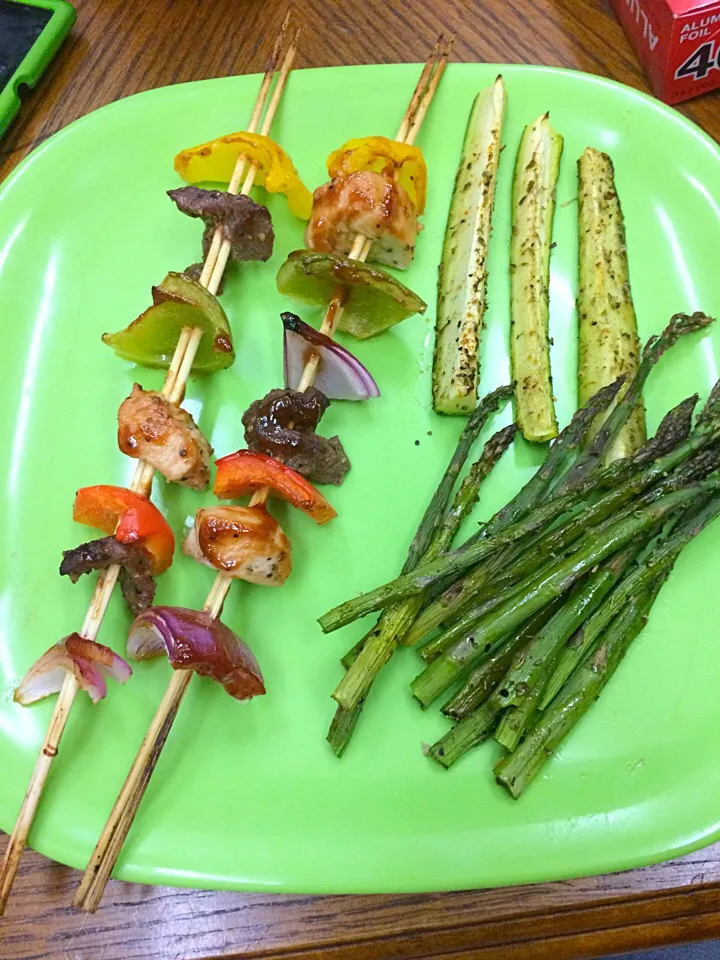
(608, 337)
(462, 287)
(533, 205)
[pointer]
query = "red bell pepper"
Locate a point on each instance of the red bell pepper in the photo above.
(244, 471)
(129, 517)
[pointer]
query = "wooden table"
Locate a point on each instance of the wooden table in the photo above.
(118, 48)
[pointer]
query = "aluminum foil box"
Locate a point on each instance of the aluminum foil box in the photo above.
(677, 42)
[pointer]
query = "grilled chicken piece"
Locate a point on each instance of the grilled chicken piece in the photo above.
(246, 543)
(152, 428)
(370, 204)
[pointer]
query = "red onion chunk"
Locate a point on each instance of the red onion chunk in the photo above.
(145, 641)
(340, 375)
(196, 641)
(89, 662)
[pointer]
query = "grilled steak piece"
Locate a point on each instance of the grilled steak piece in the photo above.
(246, 224)
(283, 425)
(136, 582)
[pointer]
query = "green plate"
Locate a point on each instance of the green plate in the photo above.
(252, 798)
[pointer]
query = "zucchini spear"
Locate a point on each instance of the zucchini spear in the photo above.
(608, 337)
(533, 205)
(462, 286)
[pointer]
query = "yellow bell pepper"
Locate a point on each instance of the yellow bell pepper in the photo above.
(216, 159)
(380, 155)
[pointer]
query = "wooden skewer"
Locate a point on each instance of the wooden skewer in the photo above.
(409, 128)
(141, 483)
(426, 100)
(107, 850)
(241, 164)
(224, 250)
(173, 389)
(420, 88)
(97, 873)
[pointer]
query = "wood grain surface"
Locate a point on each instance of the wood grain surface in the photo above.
(118, 48)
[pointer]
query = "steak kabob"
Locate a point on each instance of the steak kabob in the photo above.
(246, 542)
(185, 330)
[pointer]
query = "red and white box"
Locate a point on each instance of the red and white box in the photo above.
(677, 42)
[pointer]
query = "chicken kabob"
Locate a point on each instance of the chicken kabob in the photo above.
(258, 549)
(140, 543)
